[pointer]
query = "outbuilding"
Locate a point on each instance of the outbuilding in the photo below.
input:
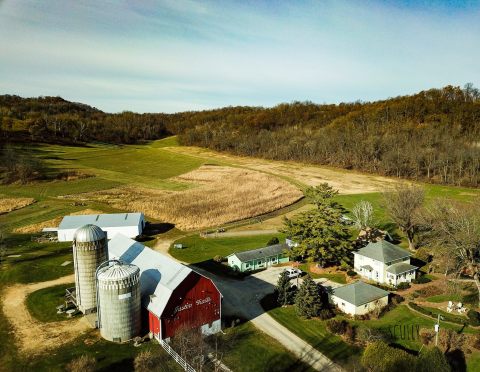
(359, 298)
(258, 258)
(173, 295)
(128, 224)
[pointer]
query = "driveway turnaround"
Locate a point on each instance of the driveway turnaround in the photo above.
(242, 299)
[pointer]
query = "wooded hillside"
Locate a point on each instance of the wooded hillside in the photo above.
(433, 135)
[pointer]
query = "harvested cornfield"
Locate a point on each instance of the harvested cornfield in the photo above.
(11, 204)
(54, 222)
(219, 194)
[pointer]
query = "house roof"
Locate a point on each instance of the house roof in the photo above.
(359, 293)
(272, 250)
(159, 274)
(383, 251)
(400, 267)
(101, 220)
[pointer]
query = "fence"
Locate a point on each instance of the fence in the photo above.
(187, 367)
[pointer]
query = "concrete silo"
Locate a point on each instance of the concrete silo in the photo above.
(119, 301)
(90, 249)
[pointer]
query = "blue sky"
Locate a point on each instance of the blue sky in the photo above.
(174, 55)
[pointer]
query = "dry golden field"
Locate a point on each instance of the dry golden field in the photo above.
(11, 204)
(220, 194)
(54, 222)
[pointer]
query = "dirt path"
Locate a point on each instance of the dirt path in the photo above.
(32, 336)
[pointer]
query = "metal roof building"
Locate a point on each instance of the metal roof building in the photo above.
(129, 224)
(259, 258)
(174, 295)
(359, 298)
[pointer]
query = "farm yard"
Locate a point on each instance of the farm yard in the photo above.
(192, 190)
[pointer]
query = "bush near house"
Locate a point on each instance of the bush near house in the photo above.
(473, 318)
(402, 286)
(421, 280)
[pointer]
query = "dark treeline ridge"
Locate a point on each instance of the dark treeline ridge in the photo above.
(432, 136)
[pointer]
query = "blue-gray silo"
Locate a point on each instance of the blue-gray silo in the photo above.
(90, 249)
(119, 301)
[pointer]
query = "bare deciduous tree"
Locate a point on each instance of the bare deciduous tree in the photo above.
(403, 204)
(363, 215)
(455, 232)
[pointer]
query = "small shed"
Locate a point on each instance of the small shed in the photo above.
(128, 224)
(259, 258)
(359, 298)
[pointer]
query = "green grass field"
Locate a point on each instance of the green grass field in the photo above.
(42, 303)
(199, 249)
(337, 277)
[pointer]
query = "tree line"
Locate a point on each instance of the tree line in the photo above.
(432, 136)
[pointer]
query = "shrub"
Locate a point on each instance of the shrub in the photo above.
(351, 273)
(84, 363)
(379, 357)
(326, 314)
(403, 285)
(337, 327)
(273, 241)
(473, 318)
(432, 360)
(397, 299)
(219, 258)
(421, 280)
(368, 335)
(350, 333)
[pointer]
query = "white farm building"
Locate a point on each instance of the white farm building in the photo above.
(359, 298)
(128, 224)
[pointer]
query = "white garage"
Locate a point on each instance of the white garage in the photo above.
(128, 224)
(359, 298)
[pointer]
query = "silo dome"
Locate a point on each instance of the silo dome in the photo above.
(89, 233)
(90, 250)
(119, 301)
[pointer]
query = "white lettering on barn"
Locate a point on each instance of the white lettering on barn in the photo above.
(204, 301)
(181, 308)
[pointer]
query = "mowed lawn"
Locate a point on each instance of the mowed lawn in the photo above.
(42, 303)
(197, 249)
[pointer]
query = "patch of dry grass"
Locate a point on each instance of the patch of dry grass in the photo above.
(11, 204)
(222, 194)
(38, 227)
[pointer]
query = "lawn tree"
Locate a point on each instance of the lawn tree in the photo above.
(432, 360)
(319, 232)
(379, 357)
(309, 299)
(455, 232)
(363, 215)
(191, 346)
(285, 290)
(404, 203)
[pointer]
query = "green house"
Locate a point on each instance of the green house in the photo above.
(259, 258)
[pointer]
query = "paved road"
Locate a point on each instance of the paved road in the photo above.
(241, 298)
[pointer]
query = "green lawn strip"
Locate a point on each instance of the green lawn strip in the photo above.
(337, 277)
(199, 249)
(454, 297)
(109, 356)
(251, 350)
(42, 303)
(314, 332)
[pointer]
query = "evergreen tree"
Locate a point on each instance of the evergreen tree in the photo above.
(320, 234)
(308, 301)
(286, 292)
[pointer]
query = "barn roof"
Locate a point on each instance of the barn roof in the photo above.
(383, 251)
(359, 293)
(264, 252)
(159, 274)
(101, 220)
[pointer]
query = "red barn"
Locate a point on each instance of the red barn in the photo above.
(174, 295)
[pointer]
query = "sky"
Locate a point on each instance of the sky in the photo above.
(181, 55)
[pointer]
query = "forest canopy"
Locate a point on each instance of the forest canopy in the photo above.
(433, 135)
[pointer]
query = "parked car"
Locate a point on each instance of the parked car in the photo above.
(292, 273)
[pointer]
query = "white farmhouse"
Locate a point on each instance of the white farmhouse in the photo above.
(128, 224)
(384, 262)
(359, 298)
